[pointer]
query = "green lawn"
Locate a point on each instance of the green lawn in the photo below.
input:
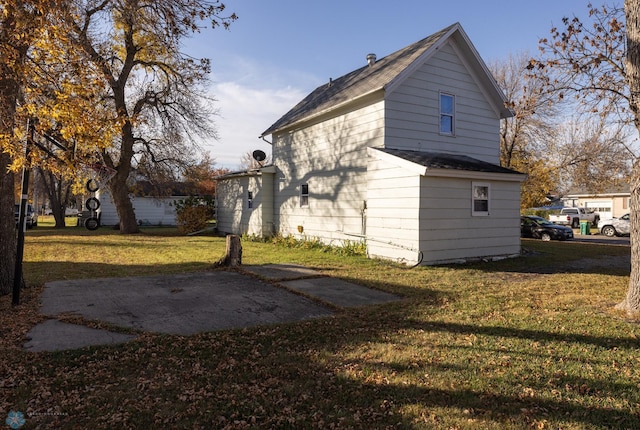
(531, 342)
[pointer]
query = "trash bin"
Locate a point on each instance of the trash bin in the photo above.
(584, 227)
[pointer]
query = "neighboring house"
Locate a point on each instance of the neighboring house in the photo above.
(150, 209)
(614, 202)
(402, 153)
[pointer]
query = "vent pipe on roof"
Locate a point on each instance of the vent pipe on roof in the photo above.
(371, 59)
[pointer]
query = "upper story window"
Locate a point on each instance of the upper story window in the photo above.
(304, 195)
(249, 199)
(480, 198)
(447, 114)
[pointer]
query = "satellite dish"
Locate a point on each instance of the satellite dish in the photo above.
(259, 155)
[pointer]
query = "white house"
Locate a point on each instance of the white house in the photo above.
(402, 153)
(149, 209)
(246, 203)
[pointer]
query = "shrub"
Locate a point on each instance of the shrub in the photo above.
(346, 247)
(193, 213)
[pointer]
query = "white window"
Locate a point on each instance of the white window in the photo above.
(304, 195)
(480, 199)
(447, 114)
(249, 199)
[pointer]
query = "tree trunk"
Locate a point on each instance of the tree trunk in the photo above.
(7, 224)
(124, 207)
(58, 191)
(631, 304)
(233, 256)
(118, 184)
(9, 89)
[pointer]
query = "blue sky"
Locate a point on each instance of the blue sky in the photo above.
(280, 50)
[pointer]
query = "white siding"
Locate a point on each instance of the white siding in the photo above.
(331, 158)
(108, 214)
(412, 111)
(408, 213)
(233, 214)
(393, 210)
(448, 231)
(148, 210)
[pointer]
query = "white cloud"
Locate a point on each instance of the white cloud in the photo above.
(244, 113)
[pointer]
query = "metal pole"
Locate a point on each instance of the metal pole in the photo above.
(22, 220)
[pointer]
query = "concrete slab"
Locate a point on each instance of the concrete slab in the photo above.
(54, 335)
(281, 271)
(340, 293)
(185, 304)
(179, 304)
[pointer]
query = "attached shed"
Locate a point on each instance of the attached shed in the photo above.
(245, 202)
(437, 207)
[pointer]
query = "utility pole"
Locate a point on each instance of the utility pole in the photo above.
(22, 224)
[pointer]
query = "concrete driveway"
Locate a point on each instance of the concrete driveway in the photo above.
(190, 303)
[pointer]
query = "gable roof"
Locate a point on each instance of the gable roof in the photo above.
(385, 74)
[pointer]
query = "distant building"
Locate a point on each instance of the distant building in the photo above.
(152, 205)
(613, 202)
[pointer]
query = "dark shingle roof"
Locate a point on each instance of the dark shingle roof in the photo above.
(357, 83)
(440, 160)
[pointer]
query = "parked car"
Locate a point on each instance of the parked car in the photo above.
(540, 228)
(31, 216)
(615, 226)
(573, 216)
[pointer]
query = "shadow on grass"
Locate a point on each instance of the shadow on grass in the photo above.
(561, 257)
(293, 375)
(40, 273)
(610, 343)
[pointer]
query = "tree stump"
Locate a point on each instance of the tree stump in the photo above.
(233, 256)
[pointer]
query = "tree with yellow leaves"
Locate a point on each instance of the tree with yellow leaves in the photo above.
(21, 25)
(108, 79)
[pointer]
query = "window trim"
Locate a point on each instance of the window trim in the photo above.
(249, 199)
(304, 197)
(474, 199)
(452, 115)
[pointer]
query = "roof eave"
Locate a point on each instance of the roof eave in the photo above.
(421, 170)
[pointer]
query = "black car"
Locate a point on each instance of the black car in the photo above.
(540, 228)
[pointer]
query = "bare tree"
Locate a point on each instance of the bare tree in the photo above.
(598, 63)
(526, 137)
(248, 162)
(591, 154)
